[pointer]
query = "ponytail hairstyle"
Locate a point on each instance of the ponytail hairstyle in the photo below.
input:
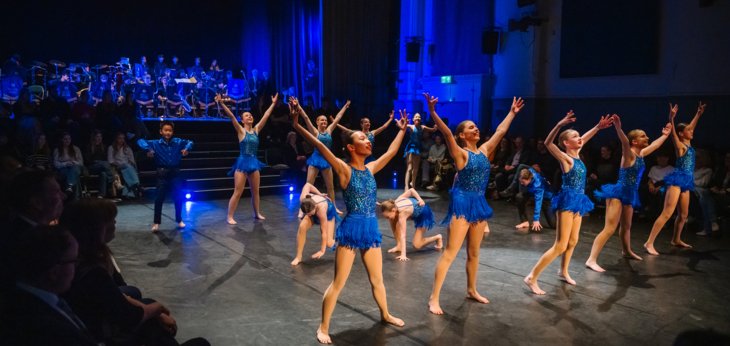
(680, 129)
(459, 129)
(633, 134)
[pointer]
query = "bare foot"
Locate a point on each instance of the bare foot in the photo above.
(650, 249)
(533, 285)
(523, 225)
(323, 337)
(402, 258)
(566, 277)
(594, 266)
(259, 217)
(393, 320)
(155, 227)
(631, 255)
(478, 297)
(296, 261)
(434, 307)
(317, 254)
(393, 249)
(231, 221)
(680, 243)
(181, 225)
(439, 242)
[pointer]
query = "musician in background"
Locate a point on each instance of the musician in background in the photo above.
(141, 69)
(143, 93)
(176, 67)
(214, 71)
(13, 67)
(65, 88)
(195, 70)
(204, 97)
(99, 87)
(159, 68)
(169, 94)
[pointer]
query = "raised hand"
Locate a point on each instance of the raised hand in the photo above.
(616, 121)
(569, 118)
(667, 129)
(605, 122)
(390, 116)
(402, 123)
(701, 108)
(431, 100)
(275, 98)
(293, 101)
(673, 111)
(517, 104)
(347, 104)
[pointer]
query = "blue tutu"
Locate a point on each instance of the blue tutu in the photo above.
(412, 149)
(628, 195)
(359, 232)
(469, 205)
(682, 179)
(424, 218)
(331, 214)
(246, 164)
(318, 161)
(573, 201)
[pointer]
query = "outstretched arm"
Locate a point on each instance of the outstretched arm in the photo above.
(339, 166)
(385, 126)
(626, 153)
(227, 111)
(700, 111)
(603, 123)
(565, 161)
(455, 150)
(488, 146)
(377, 165)
(679, 147)
(267, 114)
(339, 116)
(428, 129)
(293, 102)
(342, 128)
(666, 131)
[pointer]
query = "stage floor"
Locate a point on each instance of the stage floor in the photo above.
(234, 285)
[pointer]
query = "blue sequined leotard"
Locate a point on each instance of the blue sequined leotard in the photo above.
(683, 173)
(467, 195)
(247, 161)
(359, 229)
(317, 160)
(627, 188)
(371, 138)
(422, 215)
(571, 196)
(414, 142)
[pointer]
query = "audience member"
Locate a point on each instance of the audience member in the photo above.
(68, 161)
(97, 163)
(120, 156)
(654, 194)
(432, 161)
(603, 171)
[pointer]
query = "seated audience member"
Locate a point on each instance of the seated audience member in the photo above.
(120, 155)
(96, 159)
(521, 155)
(721, 188)
(40, 155)
(32, 311)
(603, 171)
(703, 181)
(655, 183)
(436, 154)
(68, 161)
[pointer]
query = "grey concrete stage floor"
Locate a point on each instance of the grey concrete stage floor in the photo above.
(234, 284)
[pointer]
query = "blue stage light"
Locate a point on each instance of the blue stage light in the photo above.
(291, 188)
(395, 174)
(188, 195)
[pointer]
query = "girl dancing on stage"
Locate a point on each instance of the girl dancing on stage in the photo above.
(398, 211)
(247, 166)
(678, 183)
(412, 153)
(359, 229)
(317, 163)
(468, 210)
(315, 209)
(365, 128)
(570, 202)
(622, 197)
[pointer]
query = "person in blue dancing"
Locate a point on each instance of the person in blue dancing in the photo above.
(316, 161)
(399, 210)
(571, 202)
(365, 128)
(533, 183)
(412, 152)
(359, 229)
(468, 210)
(315, 208)
(678, 183)
(623, 197)
(247, 164)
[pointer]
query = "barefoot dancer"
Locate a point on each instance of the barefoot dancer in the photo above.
(570, 202)
(398, 211)
(468, 210)
(365, 128)
(247, 166)
(622, 197)
(678, 183)
(315, 209)
(359, 229)
(413, 150)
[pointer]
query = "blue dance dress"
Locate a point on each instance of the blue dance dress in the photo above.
(467, 195)
(247, 162)
(317, 160)
(626, 189)
(359, 229)
(571, 196)
(414, 142)
(683, 173)
(422, 215)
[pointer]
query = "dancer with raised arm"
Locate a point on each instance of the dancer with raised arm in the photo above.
(468, 210)
(571, 202)
(398, 211)
(315, 208)
(622, 197)
(365, 128)
(323, 133)
(359, 229)
(247, 165)
(678, 183)
(412, 152)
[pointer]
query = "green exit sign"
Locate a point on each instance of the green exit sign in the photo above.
(445, 79)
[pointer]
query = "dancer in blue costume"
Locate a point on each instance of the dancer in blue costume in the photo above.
(468, 210)
(570, 202)
(622, 197)
(398, 211)
(678, 183)
(247, 166)
(323, 133)
(359, 229)
(315, 209)
(412, 152)
(365, 128)
(532, 182)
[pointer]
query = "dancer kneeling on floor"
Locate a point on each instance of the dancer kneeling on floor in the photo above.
(533, 183)
(398, 211)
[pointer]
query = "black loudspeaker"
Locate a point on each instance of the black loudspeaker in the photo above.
(490, 42)
(413, 51)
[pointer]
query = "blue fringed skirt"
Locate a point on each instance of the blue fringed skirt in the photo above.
(359, 232)
(425, 218)
(628, 195)
(685, 181)
(331, 214)
(246, 164)
(412, 149)
(573, 201)
(318, 161)
(469, 205)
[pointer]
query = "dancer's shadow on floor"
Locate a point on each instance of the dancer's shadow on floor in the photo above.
(377, 334)
(695, 257)
(187, 251)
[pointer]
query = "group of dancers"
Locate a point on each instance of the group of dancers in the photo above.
(468, 210)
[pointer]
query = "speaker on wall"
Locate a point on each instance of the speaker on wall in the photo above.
(490, 42)
(413, 51)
